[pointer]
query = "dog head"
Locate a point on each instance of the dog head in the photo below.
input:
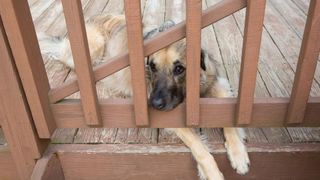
(167, 76)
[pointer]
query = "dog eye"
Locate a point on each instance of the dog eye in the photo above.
(152, 67)
(178, 70)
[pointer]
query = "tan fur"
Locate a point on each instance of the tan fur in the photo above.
(107, 38)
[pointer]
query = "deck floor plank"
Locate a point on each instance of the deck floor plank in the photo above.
(63, 136)
(299, 135)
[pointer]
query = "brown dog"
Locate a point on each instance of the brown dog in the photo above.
(165, 71)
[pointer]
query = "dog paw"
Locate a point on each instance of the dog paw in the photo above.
(211, 175)
(238, 157)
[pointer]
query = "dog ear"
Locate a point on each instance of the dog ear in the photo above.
(148, 60)
(203, 57)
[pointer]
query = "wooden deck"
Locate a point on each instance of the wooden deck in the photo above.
(283, 29)
(282, 35)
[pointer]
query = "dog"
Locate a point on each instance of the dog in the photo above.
(165, 70)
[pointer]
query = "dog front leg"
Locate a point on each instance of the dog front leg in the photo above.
(207, 166)
(236, 149)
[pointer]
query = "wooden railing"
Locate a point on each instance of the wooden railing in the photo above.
(50, 110)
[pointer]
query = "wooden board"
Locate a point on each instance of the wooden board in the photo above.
(175, 162)
(137, 64)
(7, 167)
(17, 21)
(215, 112)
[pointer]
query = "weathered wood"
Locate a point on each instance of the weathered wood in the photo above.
(21, 33)
(88, 136)
(306, 66)
(277, 135)
(250, 57)
(63, 136)
(16, 120)
(267, 112)
(302, 4)
(299, 135)
(175, 162)
(137, 65)
(38, 8)
(108, 135)
(209, 16)
(193, 38)
(255, 135)
(48, 168)
(82, 60)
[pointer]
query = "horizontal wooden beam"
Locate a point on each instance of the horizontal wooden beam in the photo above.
(267, 112)
(176, 33)
(158, 162)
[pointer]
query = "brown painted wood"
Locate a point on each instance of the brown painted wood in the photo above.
(82, 60)
(8, 169)
(306, 65)
(193, 38)
(209, 16)
(137, 64)
(23, 42)
(48, 168)
(291, 161)
(267, 112)
(16, 120)
(250, 57)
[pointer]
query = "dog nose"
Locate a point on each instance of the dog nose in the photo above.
(158, 103)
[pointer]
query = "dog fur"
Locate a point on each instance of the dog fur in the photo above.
(107, 37)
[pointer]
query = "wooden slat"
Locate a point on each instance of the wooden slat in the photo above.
(8, 169)
(82, 60)
(137, 64)
(23, 41)
(250, 57)
(193, 37)
(306, 65)
(15, 117)
(267, 112)
(209, 16)
(48, 168)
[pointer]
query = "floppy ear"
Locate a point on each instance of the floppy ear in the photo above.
(203, 57)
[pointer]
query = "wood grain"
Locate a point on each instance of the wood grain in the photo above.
(19, 28)
(193, 38)
(306, 66)
(250, 58)
(82, 60)
(137, 64)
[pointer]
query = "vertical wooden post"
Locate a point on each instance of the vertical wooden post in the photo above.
(82, 60)
(21, 34)
(193, 35)
(306, 65)
(137, 64)
(15, 118)
(250, 57)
